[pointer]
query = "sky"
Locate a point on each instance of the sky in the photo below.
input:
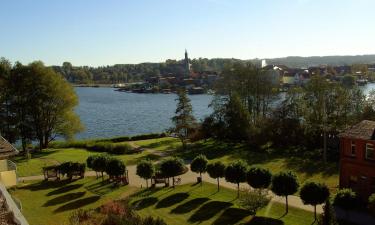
(106, 32)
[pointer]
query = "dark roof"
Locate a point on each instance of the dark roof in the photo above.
(363, 130)
(6, 149)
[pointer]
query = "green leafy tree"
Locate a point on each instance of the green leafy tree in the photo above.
(172, 167)
(236, 173)
(184, 121)
(146, 170)
(99, 164)
(259, 177)
(216, 170)
(284, 184)
(314, 194)
(199, 165)
(115, 167)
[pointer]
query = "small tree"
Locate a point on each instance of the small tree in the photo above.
(313, 194)
(253, 200)
(171, 167)
(199, 165)
(284, 184)
(259, 177)
(236, 173)
(115, 167)
(371, 204)
(329, 216)
(145, 169)
(216, 170)
(345, 199)
(99, 164)
(184, 120)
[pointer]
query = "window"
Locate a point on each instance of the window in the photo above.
(352, 148)
(370, 154)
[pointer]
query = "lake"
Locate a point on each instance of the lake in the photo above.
(107, 113)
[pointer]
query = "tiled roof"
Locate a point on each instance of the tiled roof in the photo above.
(363, 130)
(6, 149)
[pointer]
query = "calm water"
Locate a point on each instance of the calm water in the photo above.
(108, 113)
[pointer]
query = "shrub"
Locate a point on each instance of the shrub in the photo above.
(328, 216)
(120, 149)
(253, 200)
(216, 170)
(199, 165)
(371, 204)
(345, 199)
(236, 173)
(259, 177)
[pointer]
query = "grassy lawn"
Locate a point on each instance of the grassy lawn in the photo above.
(306, 167)
(52, 202)
(193, 204)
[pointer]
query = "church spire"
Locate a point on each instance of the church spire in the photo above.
(187, 64)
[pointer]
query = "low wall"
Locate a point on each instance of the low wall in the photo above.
(12, 207)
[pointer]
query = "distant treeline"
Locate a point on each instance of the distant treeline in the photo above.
(121, 73)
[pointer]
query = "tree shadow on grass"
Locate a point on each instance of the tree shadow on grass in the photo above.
(102, 187)
(64, 198)
(260, 220)
(232, 216)
(172, 199)
(64, 189)
(44, 185)
(77, 204)
(144, 203)
(189, 205)
(209, 210)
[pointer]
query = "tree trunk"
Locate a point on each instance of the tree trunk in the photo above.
(314, 213)
(238, 190)
(286, 205)
(218, 185)
(173, 182)
(200, 174)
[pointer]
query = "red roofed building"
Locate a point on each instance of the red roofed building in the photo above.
(357, 158)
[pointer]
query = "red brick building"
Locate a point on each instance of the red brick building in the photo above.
(357, 159)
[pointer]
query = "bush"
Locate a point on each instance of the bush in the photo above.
(259, 177)
(216, 170)
(120, 149)
(313, 194)
(345, 199)
(70, 168)
(199, 165)
(371, 204)
(236, 173)
(253, 200)
(284, 184)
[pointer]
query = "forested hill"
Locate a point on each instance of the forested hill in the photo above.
(138, 72)
(304, 62)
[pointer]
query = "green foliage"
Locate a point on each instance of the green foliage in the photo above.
(314, 194)
(199, 164)
(236, 173)
(258, 177)
(99, 163)
(145, 169)
(90, 160)
(254, 200)
(345, 199)
(348, 81)
(70, 168)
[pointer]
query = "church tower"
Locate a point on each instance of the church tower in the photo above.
(187, 64)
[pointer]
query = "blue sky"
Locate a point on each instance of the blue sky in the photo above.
(105, 32)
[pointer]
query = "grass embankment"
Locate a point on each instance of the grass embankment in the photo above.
(192, 204)
(54, 156)
(52, 202)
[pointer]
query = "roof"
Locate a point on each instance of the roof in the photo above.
(6, 149)
(363, 130)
